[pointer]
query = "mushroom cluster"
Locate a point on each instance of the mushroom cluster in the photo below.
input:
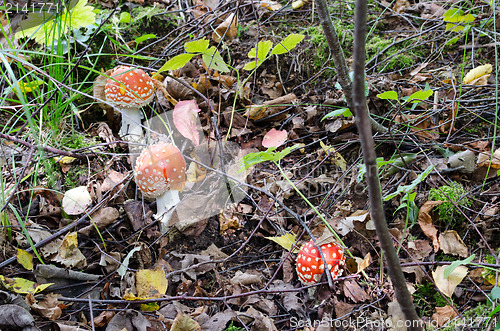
(310, 266)
(129, 89)
(160, 173)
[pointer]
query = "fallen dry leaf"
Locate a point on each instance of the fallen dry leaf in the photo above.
(443, 315)
(363, 263)
(353, 291)
(451, 243)
(419, 249)
(69, 254)
(419, 124)
(271, 107)
(48, 307)
(227, 29)
(447, 285)
(425, 222)
(478, 72)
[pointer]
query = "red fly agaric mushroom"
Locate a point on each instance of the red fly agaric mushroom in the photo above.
(160, 173)
(310, 266)
(129, 89)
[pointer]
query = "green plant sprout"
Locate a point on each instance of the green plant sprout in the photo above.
(457, 21)
(414, 98)
(451, 195)
(210, 56)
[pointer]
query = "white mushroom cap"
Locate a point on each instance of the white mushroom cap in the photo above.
(159, 168)
(129, 88)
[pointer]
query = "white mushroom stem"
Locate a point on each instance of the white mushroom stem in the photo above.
(131, 128)
(131, 131)
(165, 206)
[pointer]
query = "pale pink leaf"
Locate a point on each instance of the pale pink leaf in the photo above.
(185, 118)
(274, 138)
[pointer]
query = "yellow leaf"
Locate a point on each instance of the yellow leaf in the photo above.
(65, 159)
(477, 72)
(151, 283)
(22, 286)
(363, 263)
(298, 4)
(25, 259)
(337, 159)
(29, 86)
(447, 285)
(68, 245)
(286, 241)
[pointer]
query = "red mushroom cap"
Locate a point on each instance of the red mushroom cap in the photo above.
(310, 266)
(159, 168)
(129, 88)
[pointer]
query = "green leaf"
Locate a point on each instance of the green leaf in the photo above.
(125, 17)
(341, 111)
(452, 41)
(176, 62)
(419, 96)
(269, 155)
(388, 95)
(263, 49)
(289, 43)
(197, 46)
(494, 311)
(408, 188)
(145, 37)
(456, 19)
(45, 28)
(212, 58)
(449, 269)
(495, 293)
(252, 65)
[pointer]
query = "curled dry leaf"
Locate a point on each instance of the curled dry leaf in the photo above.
(363, 263)
(425, 222)
(489, 160)
(274, 138)
(476, 73)
(421, 125)
(269, 108)
(69, 254)
(14, 316)
(227, 29)
(48, 307)
(451, 243)
(185, 117)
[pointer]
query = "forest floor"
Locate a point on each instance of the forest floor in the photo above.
(272, 158)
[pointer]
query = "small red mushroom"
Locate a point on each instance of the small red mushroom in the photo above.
(160, 173)
(310, 266)
(129, 89)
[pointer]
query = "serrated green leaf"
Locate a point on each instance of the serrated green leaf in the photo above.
(286, 241)
(419, 95)
(388, 95)
(289, 43)
(212, 58)
(176, 62)
(252, 65)
(197, 46)
(341, 111)
(449, 269)
(264, 47)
